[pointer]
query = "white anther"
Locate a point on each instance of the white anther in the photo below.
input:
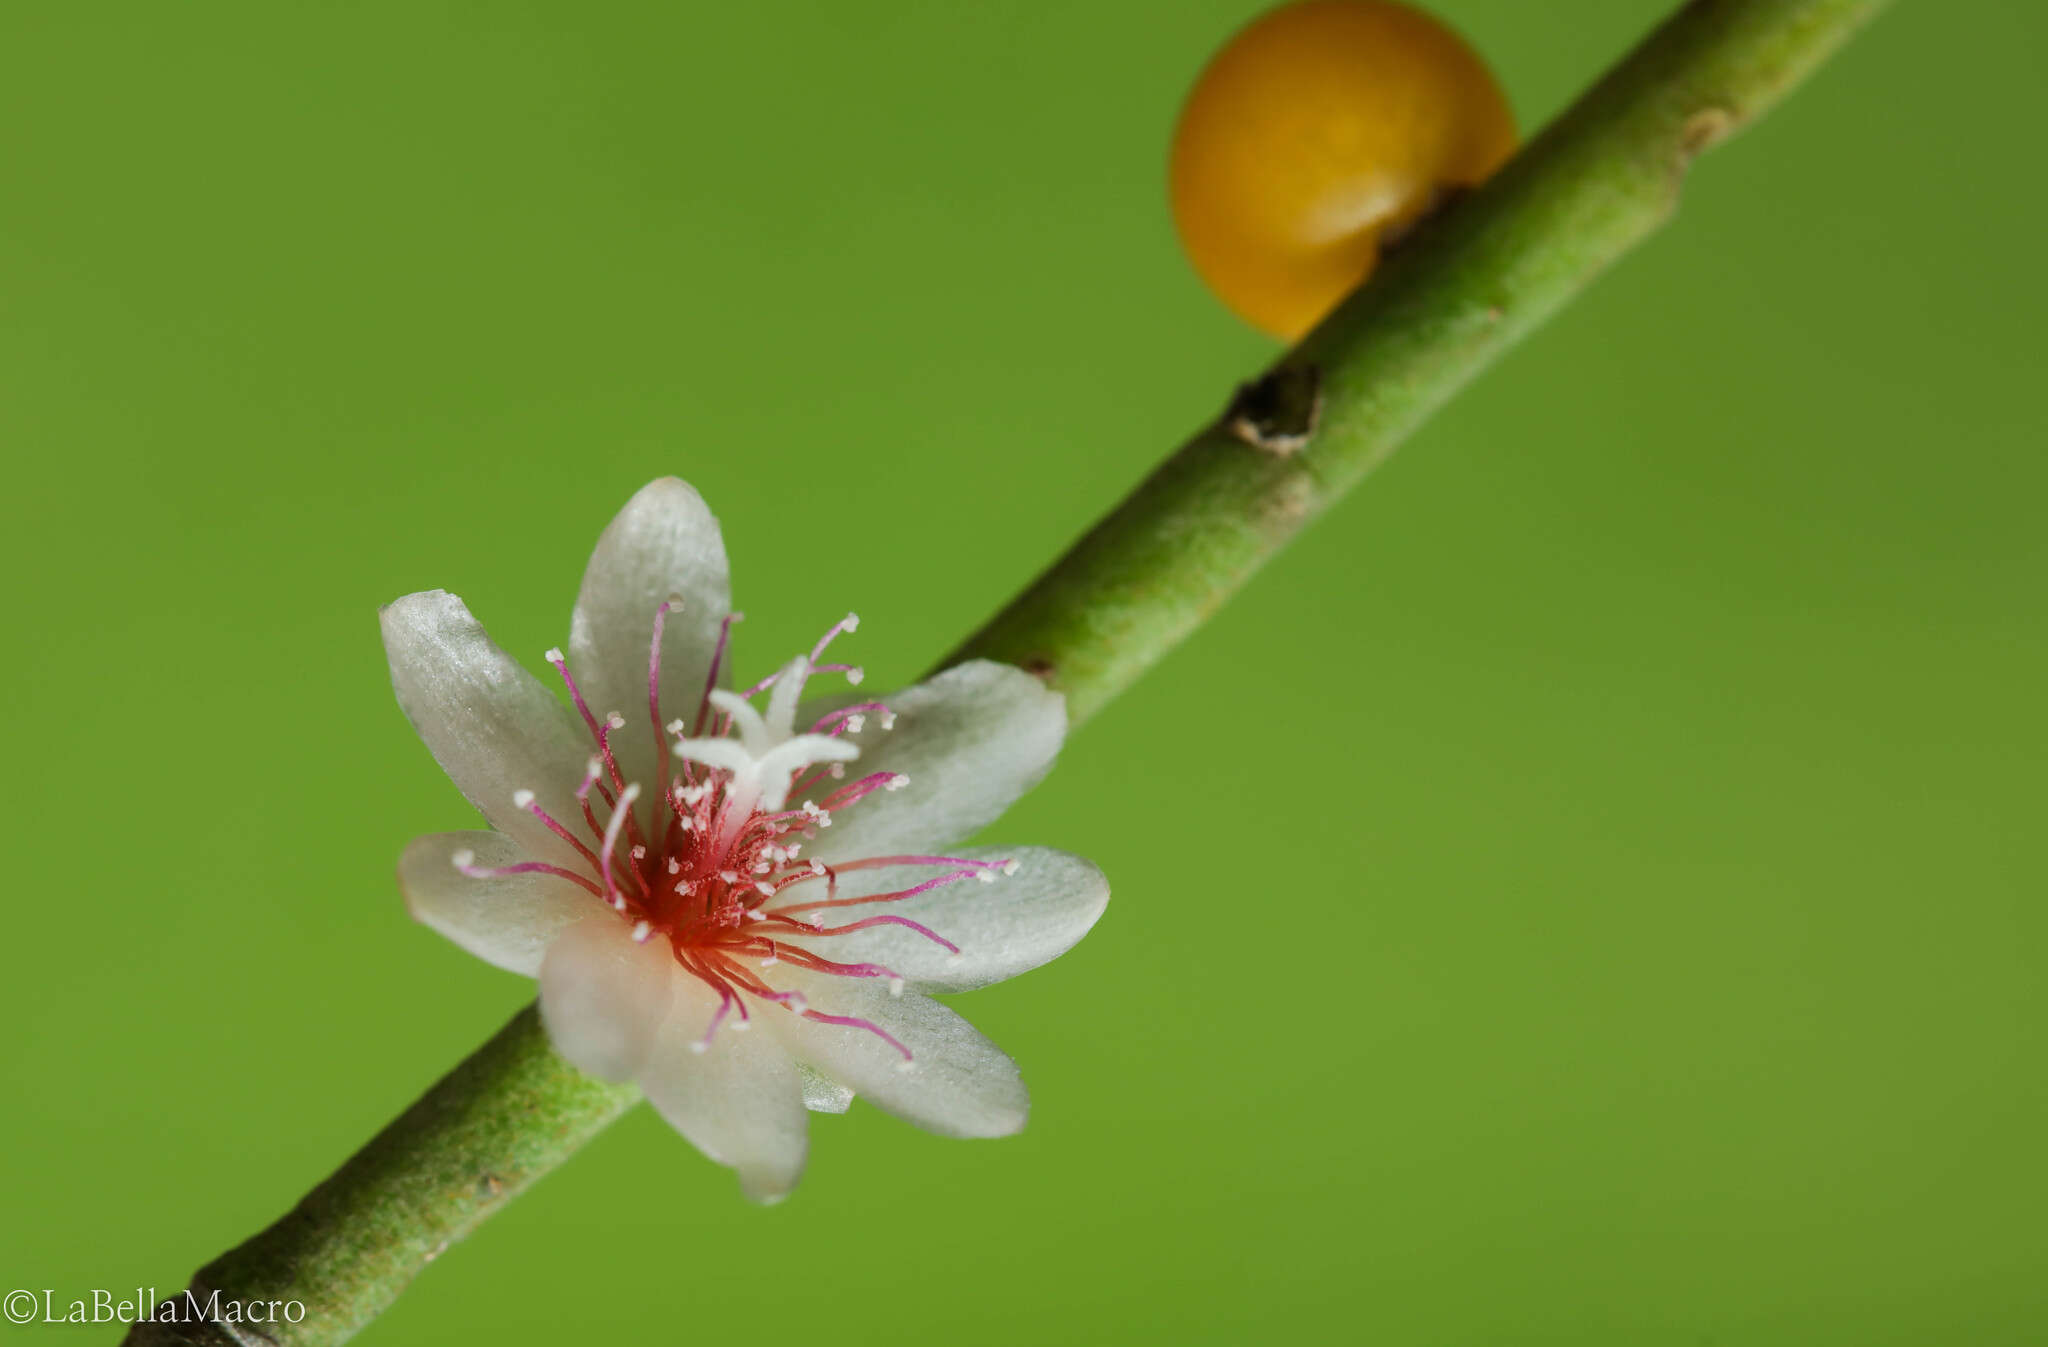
(522, 799)
(896, 782)
(888, 720)
(593, 769)
(817, 867)
(855, 674)
(729, 876)
(615, 720)
(639, 853)
(675, 726)
(852, 622)
(554, 655)
(837, 771)
(641, 930)
(770, 961)
(688, 825)
(895, 986)
(755, 914)
(463, 859)
(763, 868)
(985, 876)
(855, 724)
(675, 867)
(685, 887)
(765, 889)
(1010, 866)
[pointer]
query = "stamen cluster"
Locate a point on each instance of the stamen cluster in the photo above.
(704, 857)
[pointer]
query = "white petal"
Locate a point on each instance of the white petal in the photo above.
(958, 1083)
(603, 997)
(822, 1094)
(970, 740)
(1003, 928)
(739, 1100)
(507, 920)
(493, 727)
(664, 543)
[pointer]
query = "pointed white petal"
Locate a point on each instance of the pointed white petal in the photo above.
(1003, 928)
(958, 1084)
(507, 920)
(726, 754)
(603, 997)
(780, 719)
(970, 740)
(664, 542)
(747, 725)
(493, 727)
(822, 1094)
(774, 769)
(738, 1100)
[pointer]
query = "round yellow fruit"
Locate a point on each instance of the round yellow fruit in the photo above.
(1316, 131)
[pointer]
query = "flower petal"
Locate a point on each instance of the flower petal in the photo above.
(664, 543)
(971, 740)
(958, 1083)
(493, 727)
(737, 1098)
(822, 1094)
(507, 920)
(603, 997)
(1010, 926)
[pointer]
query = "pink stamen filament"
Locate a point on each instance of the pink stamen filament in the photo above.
(925, 931)
(891, 897)
(854, 1022)
(877, 862)
(527, 868)
(711, 676)
(547, 821)
(654, 693)
(575, 693)
(845, 624)
(727, 999)
(855, 792)
(831, 722)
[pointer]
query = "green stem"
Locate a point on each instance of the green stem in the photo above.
(1453, 297)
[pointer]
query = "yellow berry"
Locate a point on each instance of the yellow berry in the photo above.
(1316, 131)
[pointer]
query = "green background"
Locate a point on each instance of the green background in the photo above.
(1587, 891)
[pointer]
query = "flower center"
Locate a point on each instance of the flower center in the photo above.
(702, 858)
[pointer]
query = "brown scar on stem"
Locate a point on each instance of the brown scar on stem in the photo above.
(1277, 412)
(1039, 667)
(1703, 130)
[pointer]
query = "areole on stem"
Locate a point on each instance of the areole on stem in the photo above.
(1455, 295)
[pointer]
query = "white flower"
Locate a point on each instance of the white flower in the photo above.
(677, 865)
